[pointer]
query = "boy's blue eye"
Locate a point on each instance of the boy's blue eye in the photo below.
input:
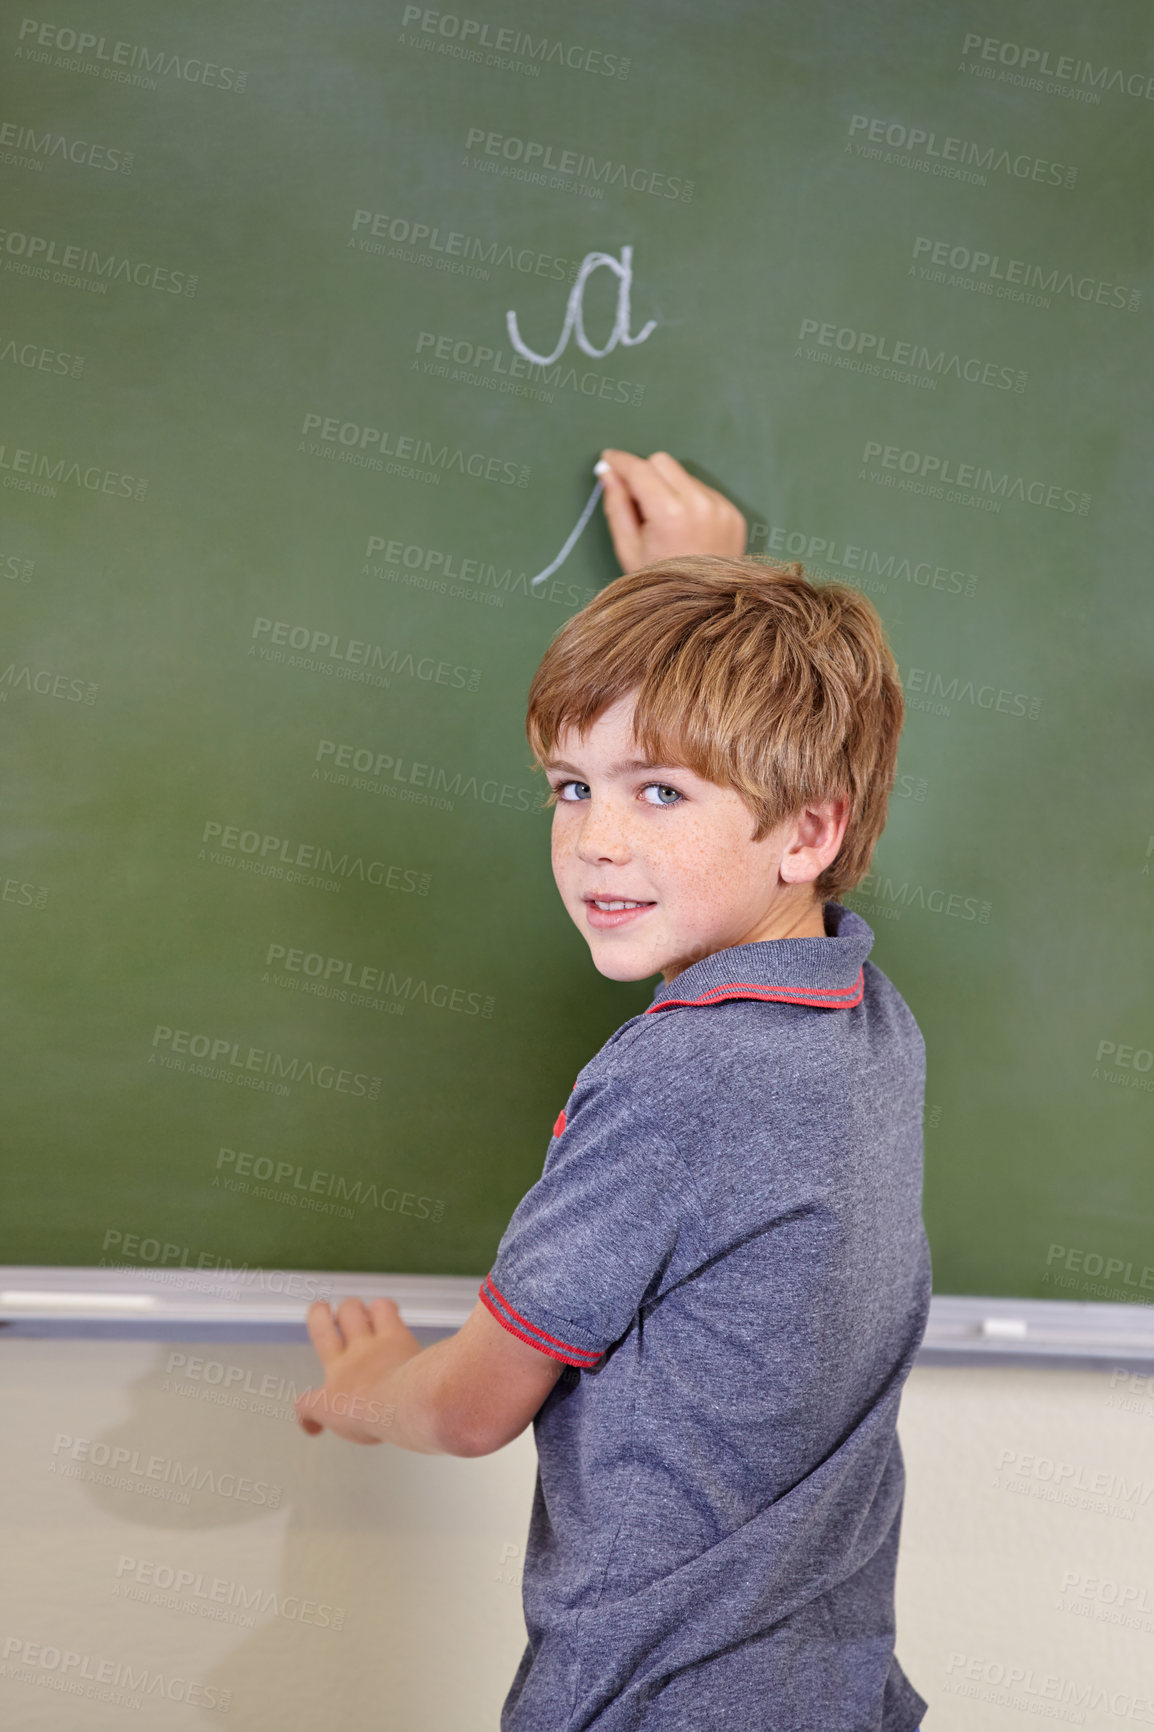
(661, 789)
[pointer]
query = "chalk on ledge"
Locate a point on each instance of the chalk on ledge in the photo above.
(1004, 1328)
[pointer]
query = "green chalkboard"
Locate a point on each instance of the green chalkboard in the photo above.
(286, 979)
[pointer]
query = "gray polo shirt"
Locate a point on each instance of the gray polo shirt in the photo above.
(726, 1250)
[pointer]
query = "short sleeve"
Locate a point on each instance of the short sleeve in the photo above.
(597, 1231)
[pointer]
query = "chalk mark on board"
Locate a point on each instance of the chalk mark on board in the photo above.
(575, 312)
(590, 507)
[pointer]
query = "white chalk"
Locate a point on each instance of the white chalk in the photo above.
(1004, 1328)
(16, 1300)
(602, 468)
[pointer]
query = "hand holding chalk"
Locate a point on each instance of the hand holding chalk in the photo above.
(656, 510)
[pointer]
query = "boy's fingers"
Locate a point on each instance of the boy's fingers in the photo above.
(697, 495)
(649, 488)
(384, 1313)
(323, 1331)
(677, 479)
(353, 1319)
(621, 516)
(304, 1402)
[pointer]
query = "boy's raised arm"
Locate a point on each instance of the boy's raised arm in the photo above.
(467, 1395)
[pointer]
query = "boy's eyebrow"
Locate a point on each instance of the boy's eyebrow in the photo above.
(624, 769)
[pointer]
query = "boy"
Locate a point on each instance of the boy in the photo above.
(712, 1297)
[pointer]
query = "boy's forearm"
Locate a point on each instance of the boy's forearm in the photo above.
(411, 1407)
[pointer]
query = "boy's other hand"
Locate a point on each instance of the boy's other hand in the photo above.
(359, 1349)
(656, 510)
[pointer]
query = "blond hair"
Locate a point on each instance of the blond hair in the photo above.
(748, 674)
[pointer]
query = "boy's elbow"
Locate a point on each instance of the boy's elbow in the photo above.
(470, 1446)
(470, 1437)
(480, 1426)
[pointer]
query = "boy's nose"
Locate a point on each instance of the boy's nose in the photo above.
(604, 836)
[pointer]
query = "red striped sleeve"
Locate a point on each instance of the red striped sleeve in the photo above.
(495, 1302)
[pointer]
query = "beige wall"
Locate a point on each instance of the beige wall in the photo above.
(422, 1555)
(1029, 1544)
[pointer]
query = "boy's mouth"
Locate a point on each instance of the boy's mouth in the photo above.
(608, 911)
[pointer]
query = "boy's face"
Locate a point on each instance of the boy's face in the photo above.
(677, 849)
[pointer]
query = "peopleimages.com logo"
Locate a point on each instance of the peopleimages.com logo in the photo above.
(942, 470)
(1030, 65)
(123, 1683)
(224, 1059)
(507, 49)
(122, 62)
(1014, 279)
(528, 158)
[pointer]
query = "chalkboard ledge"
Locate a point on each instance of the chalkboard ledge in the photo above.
(270, 1305)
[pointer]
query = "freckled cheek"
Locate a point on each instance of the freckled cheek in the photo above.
(703, 880)
(562, 848)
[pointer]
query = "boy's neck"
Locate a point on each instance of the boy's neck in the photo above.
(794, 920)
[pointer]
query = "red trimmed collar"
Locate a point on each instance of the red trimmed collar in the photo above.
(822, 973)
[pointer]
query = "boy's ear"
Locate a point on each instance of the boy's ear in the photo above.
(818, 833)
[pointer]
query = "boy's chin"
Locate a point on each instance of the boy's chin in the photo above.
(621, 967)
